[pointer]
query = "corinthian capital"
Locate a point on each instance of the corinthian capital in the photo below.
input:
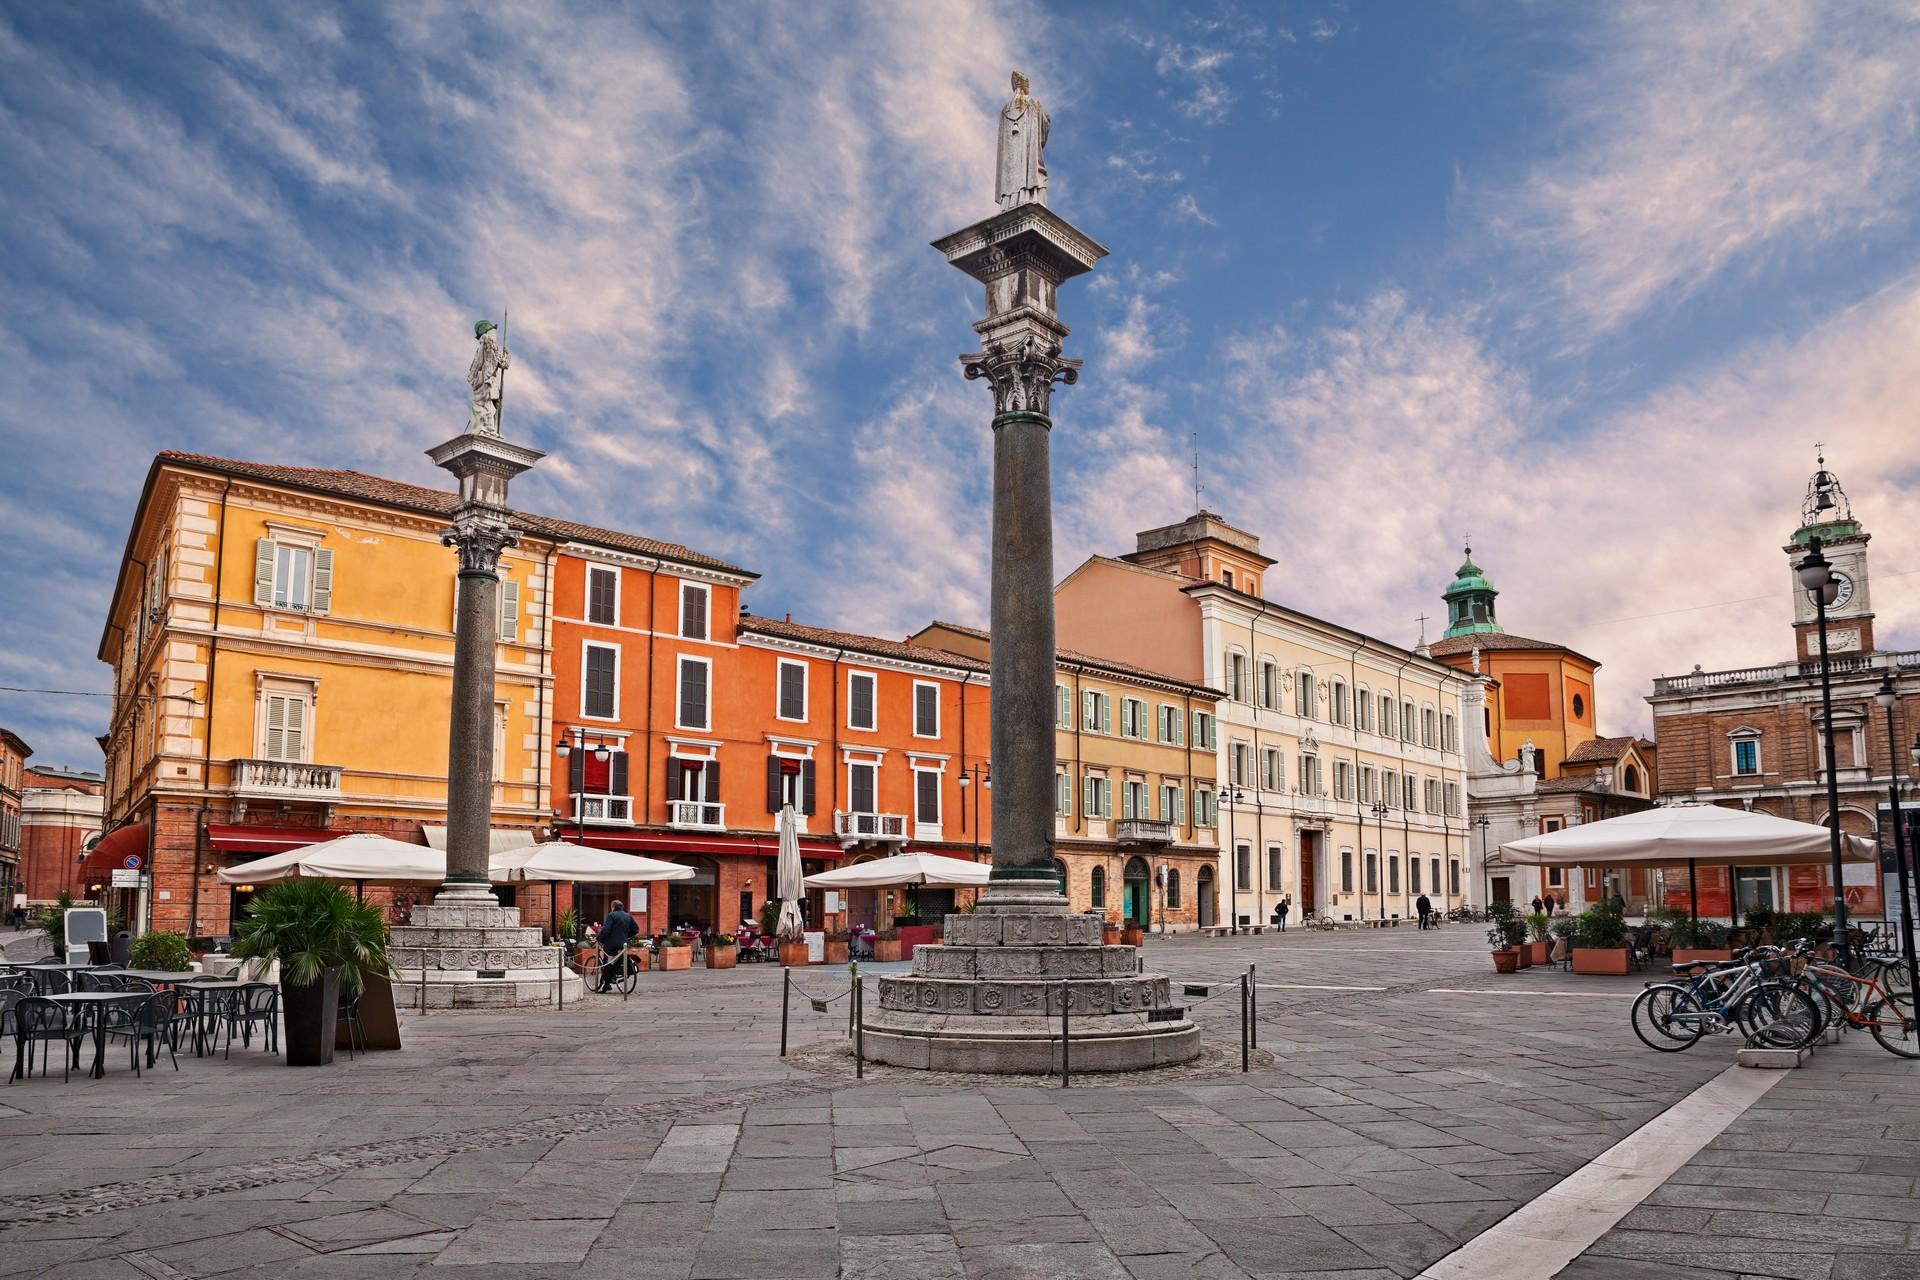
(1022, 373)
(479, 537)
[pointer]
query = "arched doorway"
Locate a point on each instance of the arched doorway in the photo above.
(1138, 900)
(1203, 897)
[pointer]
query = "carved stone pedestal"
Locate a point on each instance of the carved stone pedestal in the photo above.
(458, 944)
(989, 1000)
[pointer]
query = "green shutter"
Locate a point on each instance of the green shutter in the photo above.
(509, 611)
(263, 552)
(322, 580)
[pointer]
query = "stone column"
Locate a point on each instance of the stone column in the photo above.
(1021, 256)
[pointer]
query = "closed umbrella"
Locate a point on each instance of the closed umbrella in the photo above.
(791, 927)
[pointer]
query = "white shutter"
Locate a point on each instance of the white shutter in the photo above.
(322, 580)
(296, 729)
(509, 611)
(263, 553)
(1090, 802)
(276, 745)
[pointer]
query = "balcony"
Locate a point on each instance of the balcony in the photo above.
(282, 782)
(869, 828)
(696, 815)
(1144, 831)
(604, 810)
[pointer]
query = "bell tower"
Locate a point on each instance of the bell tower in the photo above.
(1826, 514)
(1470, 600)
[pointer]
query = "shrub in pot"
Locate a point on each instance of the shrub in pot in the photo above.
(675, 953)
(722, 953)
(839, 951)
(167, 952)
(1537, 943)
(1505, 932)
(794, 952)
(326, 942)
(1110, 929)
(1133, 934)
(1600, 942)
(1700, 941)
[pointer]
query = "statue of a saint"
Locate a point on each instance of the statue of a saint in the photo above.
(1020, 173)
(485, 376)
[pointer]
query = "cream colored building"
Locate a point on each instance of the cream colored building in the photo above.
(1341, 778)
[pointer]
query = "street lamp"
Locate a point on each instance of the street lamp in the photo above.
(984, 773)
(1486, 872)
(1888, 698)
(1379, 812)
(1816, 577)
(1231, 795)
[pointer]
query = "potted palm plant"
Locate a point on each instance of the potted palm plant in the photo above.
(1538, 938)
(1504, 934)
(326, 942)
(722, 953)
(1600, 941)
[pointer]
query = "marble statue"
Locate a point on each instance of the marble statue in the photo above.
(486, 376)
(1020, 171)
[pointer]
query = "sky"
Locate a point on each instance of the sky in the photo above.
(1586, 282)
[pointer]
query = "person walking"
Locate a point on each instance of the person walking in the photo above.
(1424, 905)
(1549, 904)
(1536, 904)
(618, 929)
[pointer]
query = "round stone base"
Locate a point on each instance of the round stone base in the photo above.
(520, 988)
(999, 1045)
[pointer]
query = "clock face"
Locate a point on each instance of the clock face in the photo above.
(1842, 594)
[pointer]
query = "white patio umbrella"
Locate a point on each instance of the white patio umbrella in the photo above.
(366, 856)
(790, 927)
(275, 866)
(905, 868)
(564, 860)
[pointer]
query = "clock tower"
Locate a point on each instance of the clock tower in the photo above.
(1827, 515)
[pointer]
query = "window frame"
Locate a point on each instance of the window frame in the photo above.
(586, 602)
(939, 800)
(933, 687)
(873, 700)
(706, 609)
(680, 664)
(586, 684)
(873, 766)
(780, 668)
(1752, 743)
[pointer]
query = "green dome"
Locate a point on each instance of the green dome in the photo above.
(1470, 600)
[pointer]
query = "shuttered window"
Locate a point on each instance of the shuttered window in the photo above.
(693, 610)
(597, 696)
(290, 575)
(286, 729)
(509, 596)
(1063, 797)
(926, 796)
(926, 710)
(793, 691)
(1062, 707)
(603, 595)
(860, 685)
(860, 788)
(692, 700)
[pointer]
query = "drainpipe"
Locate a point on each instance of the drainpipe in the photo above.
(1406, 823)
(646, 735)
(546, 662)
(206, 758)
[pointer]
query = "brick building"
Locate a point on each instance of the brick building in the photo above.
(60, 811)
(13, 764)
(1755, 736)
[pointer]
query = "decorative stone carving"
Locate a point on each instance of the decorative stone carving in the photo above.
(479, 539)
(487, 377)
(1022, 373)
(1020, 170)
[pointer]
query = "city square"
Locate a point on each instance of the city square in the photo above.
(751, 779)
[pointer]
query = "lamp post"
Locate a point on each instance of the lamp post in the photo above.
(1231, 795)
(982, 774)
(1888, 697)
(1816, 577)
(1379, 812)
(1486, 872)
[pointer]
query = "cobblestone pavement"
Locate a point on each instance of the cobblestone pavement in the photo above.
(1412, 1098)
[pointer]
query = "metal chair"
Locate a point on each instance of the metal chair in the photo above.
(151, 1021)
(41, 1021)
(350, 1015)
(9, 997)
(257, 1002)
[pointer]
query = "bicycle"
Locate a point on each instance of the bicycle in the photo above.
(1860, 1001)
(1747, 996)
(1317, 920)
(607, 973)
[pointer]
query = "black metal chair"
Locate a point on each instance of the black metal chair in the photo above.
(255, 1003)
(41, 1021)
(9, 997)
(152, 1021)
(350, 1015)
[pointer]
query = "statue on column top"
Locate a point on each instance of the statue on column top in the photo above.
(487, 376)
(1020, 171)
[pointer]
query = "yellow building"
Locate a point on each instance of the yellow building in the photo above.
(282, 648)
(1134, 825)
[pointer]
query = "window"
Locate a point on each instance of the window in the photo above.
(1170, 724)
(693, 610)
(1393, 873)
(1310, 776)
(1453, 802)
(1237, 770)
(1453, 876)
(1363, 710)
(292, 572)
(603, 595)
(1432, 797)
(509, 596)
(1386, 715)
(286, 575)
(1412, 800)
(1346, 871)
(1134, 802)
(1449, 732)
(1338, 713)
(862, 787)
(1579, 706)
(600, 690)
(1063, 799)
(1366, 783)
(1407, 724)
(284, 719)
(1062, 707)
(1172, 804)
(694, 702)
(1373, 872)
(1096, 799)
(860, 699)
(1237, 677)
(1269, 685)
(1273, 866)
(1632, 780)
(1342, 780)
(1429, 728)
(1097, 887)
(926, 709)
(1096, 712)
(1746, 756)
(789, 782)
(1303, 695)
(1203, 731)
(1242, 866)
(1273, 770)
(1226, 577)
(792, 703)
(926, 798)
(1133, 718)
(1435, 864)
(1206, 812)
(1413, 875)
(1556, 877)
(1173, 888)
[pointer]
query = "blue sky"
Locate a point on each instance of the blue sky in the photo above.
(1588, 281)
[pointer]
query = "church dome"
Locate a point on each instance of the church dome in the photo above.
(1470, 600)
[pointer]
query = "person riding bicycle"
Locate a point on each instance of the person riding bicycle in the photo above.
(618, 930)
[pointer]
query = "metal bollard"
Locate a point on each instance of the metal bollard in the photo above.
(786, 985)
(1066, 1037)
(854, 1000)
(560, 987)
(1253, 1007)
(1245, 1049)
(859, 1027)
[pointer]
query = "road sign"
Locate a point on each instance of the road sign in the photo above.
(131, 862)
(126, 878)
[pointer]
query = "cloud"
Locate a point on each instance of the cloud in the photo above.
(1187, 209)
(1202, 93)
(1710, 138)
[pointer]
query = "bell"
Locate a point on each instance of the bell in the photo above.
(1823, 501)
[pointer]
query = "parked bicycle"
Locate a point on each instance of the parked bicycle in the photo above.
(1753, 996)
(1859, 1000)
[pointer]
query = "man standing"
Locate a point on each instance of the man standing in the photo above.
(1424, 905)
(1280, 911)
(618, 930)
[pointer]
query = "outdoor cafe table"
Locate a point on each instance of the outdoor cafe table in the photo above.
(53, 966)
(200, 998)
(92, 1007)
(160, 977)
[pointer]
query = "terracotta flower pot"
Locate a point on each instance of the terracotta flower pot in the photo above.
(837, 952)
(1132, 935)
(1110, 934)
(793, 953)
(886, 948)
(1600, 960)
(672, 958)
(1537, 952)
(640, 958)
(1506, 960)
(1522, 956)
(722, 957)
(1701, 955)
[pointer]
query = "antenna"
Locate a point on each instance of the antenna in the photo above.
(1198, 504)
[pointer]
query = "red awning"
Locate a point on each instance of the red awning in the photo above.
(259, 840)
(664, 844)
(114, 848)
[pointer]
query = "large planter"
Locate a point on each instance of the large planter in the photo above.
(1110, 934)
(1522, 956)
(1132, 935)
(1537, 952)
(1701, 955)
(641, 958)
(1506, 960)
(837, 951)
(794, 954)
(886, 948)
(722, 957)
(311, 1013)
(1600, 960)
(672, 958)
